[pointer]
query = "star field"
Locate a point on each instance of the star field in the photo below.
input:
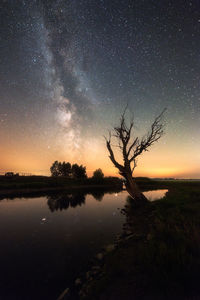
(68, 69)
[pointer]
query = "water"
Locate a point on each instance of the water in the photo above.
(155, 195)
(47, 241)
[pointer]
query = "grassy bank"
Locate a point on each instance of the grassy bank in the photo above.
(25, 185)
(158, 254)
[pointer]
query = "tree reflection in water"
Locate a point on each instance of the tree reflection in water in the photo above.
(98, 195)
(64, 201)
(60, 201)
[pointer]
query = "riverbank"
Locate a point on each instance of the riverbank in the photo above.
(27, 192)
(157, 255)
(24, 186)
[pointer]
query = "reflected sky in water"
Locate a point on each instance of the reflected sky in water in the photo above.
(155, 195)
(47, 241)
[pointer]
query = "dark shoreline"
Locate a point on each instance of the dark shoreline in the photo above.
(157, 256)
(26, 192)
(47, 185)
(24, 186)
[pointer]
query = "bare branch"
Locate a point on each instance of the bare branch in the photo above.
(112, 157)
(156, 132)
(134, 166)
(134, 144)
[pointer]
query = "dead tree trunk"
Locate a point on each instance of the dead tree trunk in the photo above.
(134, 191)
(130, 149)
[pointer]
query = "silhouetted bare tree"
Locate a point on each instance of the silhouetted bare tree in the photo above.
(131, 147)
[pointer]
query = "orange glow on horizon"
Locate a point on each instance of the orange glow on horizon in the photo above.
(163, 159)
(150, 165)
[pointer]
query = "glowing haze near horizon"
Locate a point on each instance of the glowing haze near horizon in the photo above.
(68, 69)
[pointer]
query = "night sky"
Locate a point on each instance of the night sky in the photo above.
(68, 69)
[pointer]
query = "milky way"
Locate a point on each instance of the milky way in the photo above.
(68, 68)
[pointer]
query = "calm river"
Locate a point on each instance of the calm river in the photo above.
(47, 241)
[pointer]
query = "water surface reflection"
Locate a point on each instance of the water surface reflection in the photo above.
(64, 201)
(46, 241)
(155, 194)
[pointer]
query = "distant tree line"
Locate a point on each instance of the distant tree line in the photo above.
(65, 169)
(78, 172)
(74, 171)
(98, 174)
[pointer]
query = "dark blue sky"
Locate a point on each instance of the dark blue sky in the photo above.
(68, 68)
